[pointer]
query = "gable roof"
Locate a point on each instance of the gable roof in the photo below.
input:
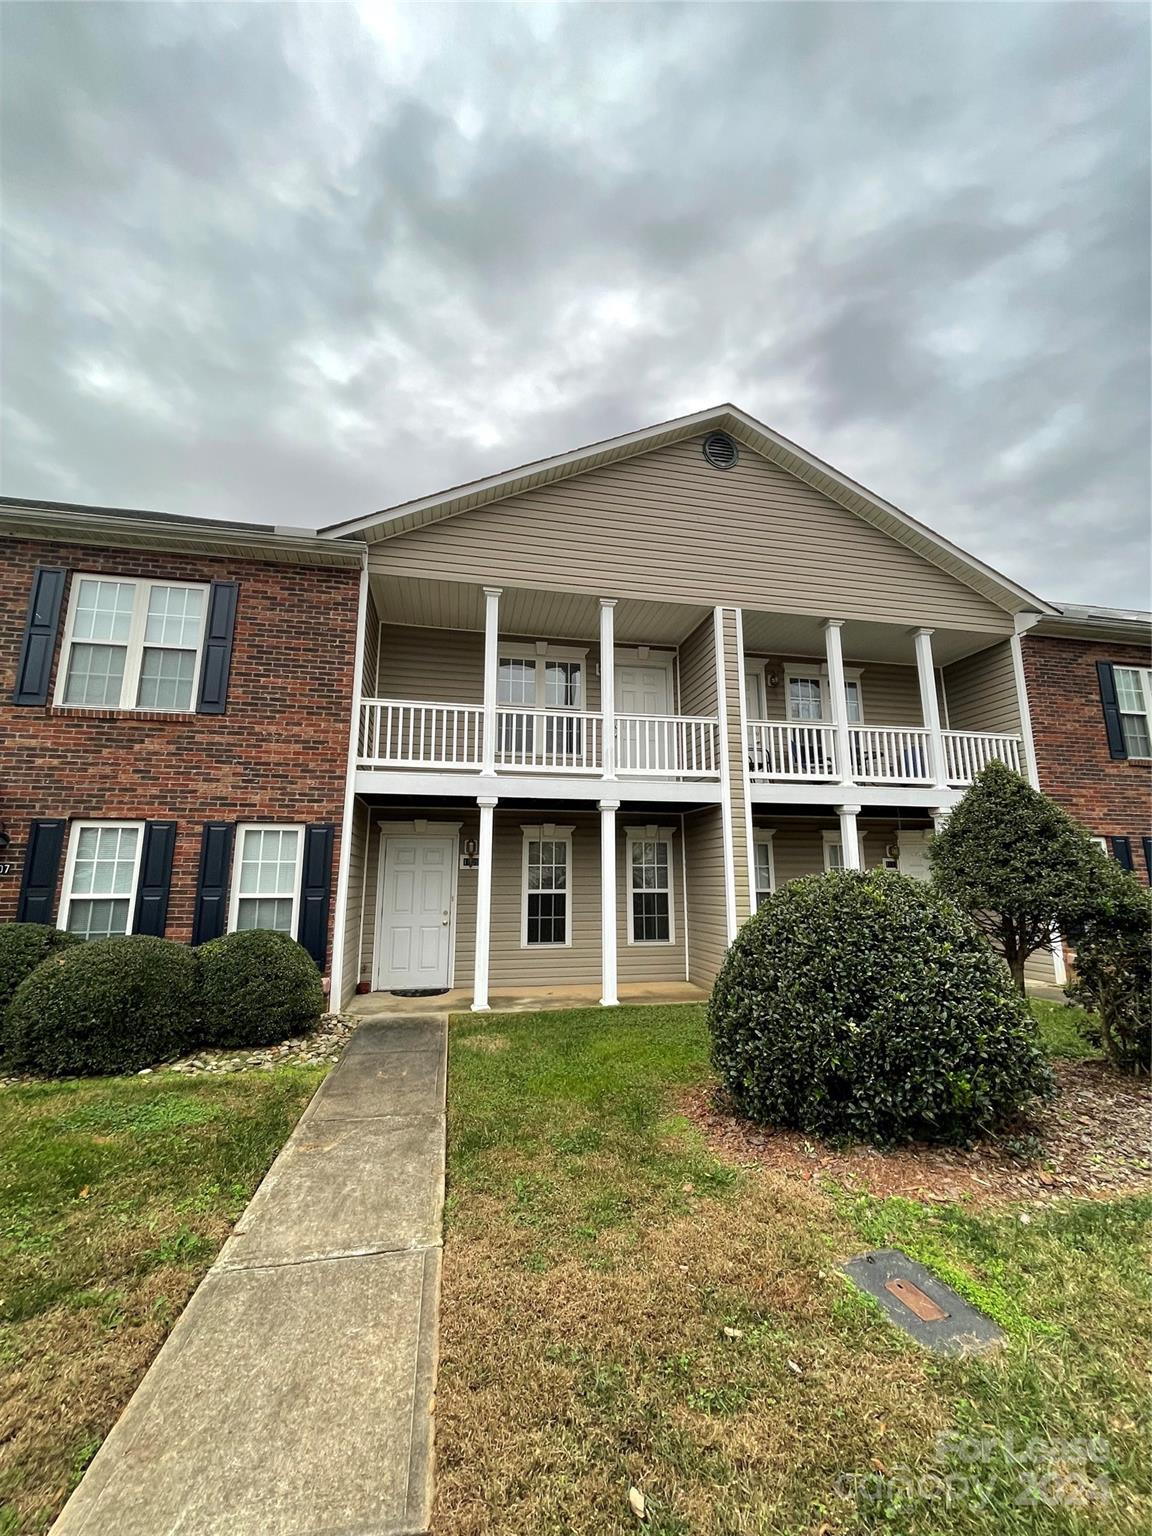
(797, 461)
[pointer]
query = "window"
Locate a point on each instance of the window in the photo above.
(132, 644)
(650, 886)
(547, 909)
(809, 699)
(100, 876)
(1134, 700)
(765, 866)
(527, 682)
(266, 878)
(1102, 844)
(834, 851)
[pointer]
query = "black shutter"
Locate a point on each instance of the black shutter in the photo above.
(41, 869)
(315, 891)
(1112, 721)
(1122, 850)
(210, 916)
(1148, 857)
(216, 659)
(155, 877)
(39, 642)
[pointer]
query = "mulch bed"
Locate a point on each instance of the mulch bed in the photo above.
(1095, 1140)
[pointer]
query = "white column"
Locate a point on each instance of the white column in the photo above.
(608, 689)
(1024, 622)
(849, 837)
(929, 705)
(838, 697)
(491, 666)
(939, 815)
(608, 809)
(483, 907)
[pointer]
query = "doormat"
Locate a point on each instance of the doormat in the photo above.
(927, 1309)
(418, 991)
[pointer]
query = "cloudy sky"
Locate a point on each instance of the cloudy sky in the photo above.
(294, 263)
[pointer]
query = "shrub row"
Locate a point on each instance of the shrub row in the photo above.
(117, 1005)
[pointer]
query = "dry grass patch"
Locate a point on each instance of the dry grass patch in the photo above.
(115, 1195)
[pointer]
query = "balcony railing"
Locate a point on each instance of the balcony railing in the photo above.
(404, 733)
(807, 752)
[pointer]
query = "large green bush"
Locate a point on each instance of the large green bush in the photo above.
(868, 1006)
(1114, 971)
(23, 946)
(256, 988)
(110, 1005)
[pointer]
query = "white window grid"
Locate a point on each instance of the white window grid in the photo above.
(136, 634)
(765, 863)
(1134, 700)
(834, 851)
(807, 696)
(101, 878)
(546, 876)
(277, 862)
(650, 865)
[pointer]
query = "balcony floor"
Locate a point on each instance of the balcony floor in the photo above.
(382, 1005)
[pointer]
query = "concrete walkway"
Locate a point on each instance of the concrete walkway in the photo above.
(294, 1395)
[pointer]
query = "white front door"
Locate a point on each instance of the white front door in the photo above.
(642, 690)
(914, 855)
(414, 924)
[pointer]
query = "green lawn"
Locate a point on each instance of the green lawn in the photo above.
(621, 1309)
(115, 1195)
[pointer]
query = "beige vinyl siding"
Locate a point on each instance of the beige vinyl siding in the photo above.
(981, 691)
(445, 666)
(510, 963)
(664, 525)
(707, 926)
(358, 850)
(798, 844)
(698, 670)
(371, 648)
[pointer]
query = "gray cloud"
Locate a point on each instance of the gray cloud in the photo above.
(303, 261)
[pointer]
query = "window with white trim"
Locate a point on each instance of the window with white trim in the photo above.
(765, 865)
(132, 644)
(650, 918)
(809, 697)
(100, 876)
(546, 916)
(1103, 845)
(266, 868)
(1134, 701)
(834, 851)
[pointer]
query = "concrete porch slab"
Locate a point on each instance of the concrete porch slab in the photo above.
(345, 1186)
(382, 1005)
(232, 1432)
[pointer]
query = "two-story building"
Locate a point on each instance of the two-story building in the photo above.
(176, 703)
(1089, 678)
(609, 700)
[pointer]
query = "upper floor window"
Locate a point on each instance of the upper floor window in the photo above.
(100, 877)
(1134, 700)
(809, 698)
(540, 682)
(132, 644)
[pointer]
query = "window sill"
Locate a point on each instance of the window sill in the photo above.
(80, 712)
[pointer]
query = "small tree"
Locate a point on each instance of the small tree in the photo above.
(1114, 971)
(1012, 859)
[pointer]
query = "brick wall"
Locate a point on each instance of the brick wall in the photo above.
(279, 752)
(1110, 798)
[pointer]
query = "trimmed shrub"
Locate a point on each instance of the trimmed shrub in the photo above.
(868, 1006)
(22, 948)
(1114, 972)
(256, 988)
(109, 1005)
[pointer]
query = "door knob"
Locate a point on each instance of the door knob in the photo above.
(444, 918)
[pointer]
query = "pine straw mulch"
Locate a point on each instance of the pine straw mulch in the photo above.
(1095, 1141)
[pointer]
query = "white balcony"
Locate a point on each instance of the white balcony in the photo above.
(414, 734)
(808, 752)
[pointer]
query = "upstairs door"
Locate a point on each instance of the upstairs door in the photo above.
(414, 924)
(644, 745)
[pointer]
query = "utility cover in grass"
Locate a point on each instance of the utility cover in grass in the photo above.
(927, 1309)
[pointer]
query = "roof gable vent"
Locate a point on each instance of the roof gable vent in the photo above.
(720, 450)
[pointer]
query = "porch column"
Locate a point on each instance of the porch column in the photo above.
(849, 837)
(608, 688)
(930, 707)
(483, 906)
(491, 667)
(838, 697)
(608, 809)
